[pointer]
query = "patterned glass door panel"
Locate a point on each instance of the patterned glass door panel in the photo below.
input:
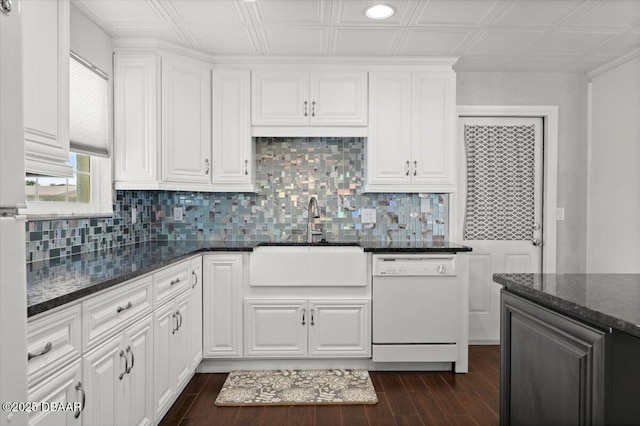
(501, 202)
(500, 182)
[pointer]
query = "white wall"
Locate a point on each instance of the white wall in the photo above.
(613, 214)
(569, 92)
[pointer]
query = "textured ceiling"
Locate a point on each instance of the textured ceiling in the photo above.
(487, 35)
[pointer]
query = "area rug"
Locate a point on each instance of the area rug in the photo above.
(297, 387)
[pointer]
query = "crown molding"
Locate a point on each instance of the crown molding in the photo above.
(611, 65)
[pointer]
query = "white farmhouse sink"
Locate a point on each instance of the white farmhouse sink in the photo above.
(308, 266)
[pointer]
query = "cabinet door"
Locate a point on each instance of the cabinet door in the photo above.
(63, 387)
(339, 328)
(186, 120)
(164, 378)
(338, 98)
(389, 141)
(45, 26)
(103, 372)
(135, 120)
(276, 328)
(552, 367)
(181, 358)
(280, 98)
(137, 404)
(196, 312)
(433, 110)
(222, 307)
(232, 148)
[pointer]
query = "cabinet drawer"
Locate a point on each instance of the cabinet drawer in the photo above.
(109, 313)
(53, 340)
(170, 281)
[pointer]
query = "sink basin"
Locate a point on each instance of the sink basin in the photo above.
(308, 265)
(305, 244)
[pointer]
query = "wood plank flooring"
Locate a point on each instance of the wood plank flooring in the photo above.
(405, 398)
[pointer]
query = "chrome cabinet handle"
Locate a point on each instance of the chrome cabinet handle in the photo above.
(132, 359)
(6, 6)
(120, 308)
(46, 349)
(126, 364)
(246, 167)
(415, 168)
(84, 400)
(304, 311)
(408, 167)
(175, 329)
(312, 323)
(305, 109)
(196, 277)
(176, 281)
(206, 162)
(313, 108)
(536, 242)
(179, 319)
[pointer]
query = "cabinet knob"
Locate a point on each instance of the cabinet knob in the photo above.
(5, 6)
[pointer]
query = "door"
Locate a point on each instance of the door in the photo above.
(276, 328)
(196, 312)
(186, 120)
(501, 206)
(339, 328)
(280, 98)
(232, 148)
(222, 306)
(62, 388)
(338, 98)
(389, 141)
(138, 382)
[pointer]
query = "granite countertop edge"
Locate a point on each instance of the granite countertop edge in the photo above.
(373, 247)
(576, 310)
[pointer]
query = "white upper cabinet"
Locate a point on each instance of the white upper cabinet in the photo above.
(136, 93)
(411, 133)
(45, 30)
(186, 120)
(316, 98)
(232, 143)
(180, 124)
(389, 142)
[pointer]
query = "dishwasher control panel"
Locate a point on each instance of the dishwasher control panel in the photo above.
(413, 265)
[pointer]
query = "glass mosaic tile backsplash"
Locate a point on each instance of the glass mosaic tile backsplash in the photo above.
(288, 172)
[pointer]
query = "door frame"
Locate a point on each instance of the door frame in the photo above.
(549, 115)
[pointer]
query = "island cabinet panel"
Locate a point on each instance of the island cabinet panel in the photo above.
(552, 367)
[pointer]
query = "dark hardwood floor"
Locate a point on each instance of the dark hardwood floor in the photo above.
(405, 398)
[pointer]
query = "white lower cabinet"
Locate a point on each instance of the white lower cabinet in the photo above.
(196, 312)
(300, 328)
(222, 307)
(64, 387)
(118, 378)
(172, 351)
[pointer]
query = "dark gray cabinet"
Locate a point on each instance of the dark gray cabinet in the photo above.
(552, 367)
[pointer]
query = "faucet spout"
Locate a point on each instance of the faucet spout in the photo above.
(314, 212)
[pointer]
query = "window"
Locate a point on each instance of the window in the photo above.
(88, 190)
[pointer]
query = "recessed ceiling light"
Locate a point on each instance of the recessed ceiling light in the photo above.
(379, 11)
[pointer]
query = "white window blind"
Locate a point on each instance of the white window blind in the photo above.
(88, 109)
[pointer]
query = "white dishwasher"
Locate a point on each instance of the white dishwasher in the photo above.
(415, 308)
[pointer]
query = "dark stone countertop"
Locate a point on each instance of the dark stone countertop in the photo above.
(607, 300)
(54, 282)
